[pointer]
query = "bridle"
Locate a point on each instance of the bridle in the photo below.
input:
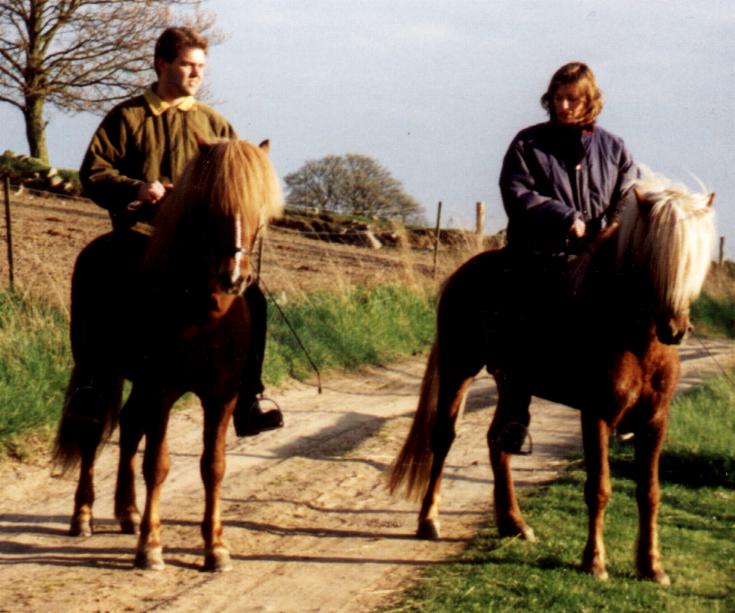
(238, 284)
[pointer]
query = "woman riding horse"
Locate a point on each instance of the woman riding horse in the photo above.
(605, 348)
(609, 353)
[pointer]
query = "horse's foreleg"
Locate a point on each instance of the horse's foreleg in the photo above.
(156, 463)
(212, 467)
(648, 443)
(131, 433)
(512, 409)
(452, 389)
(595, 433)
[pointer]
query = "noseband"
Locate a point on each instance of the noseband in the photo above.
(237, 284)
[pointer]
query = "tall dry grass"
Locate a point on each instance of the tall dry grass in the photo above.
(713, 313)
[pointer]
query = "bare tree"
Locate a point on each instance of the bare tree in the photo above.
(353, 184)
(80, 55)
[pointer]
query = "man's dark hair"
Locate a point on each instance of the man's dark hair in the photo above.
(174, 40)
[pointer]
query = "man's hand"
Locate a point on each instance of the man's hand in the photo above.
(153, 192)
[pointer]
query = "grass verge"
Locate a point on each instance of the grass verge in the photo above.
(345, 330)
(713, 313)
(34, 367)
(341, 331)
(697, 531)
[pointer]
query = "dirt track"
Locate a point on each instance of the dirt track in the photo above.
(310, 525)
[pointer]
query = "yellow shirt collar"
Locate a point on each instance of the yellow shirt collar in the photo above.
(159, 106)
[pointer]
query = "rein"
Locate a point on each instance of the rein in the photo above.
(713, 357)
(314, 367)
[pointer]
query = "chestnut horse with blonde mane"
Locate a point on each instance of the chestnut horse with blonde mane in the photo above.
(166, 313)
(607, 350)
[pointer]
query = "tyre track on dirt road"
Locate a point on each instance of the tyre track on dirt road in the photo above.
(306, 514)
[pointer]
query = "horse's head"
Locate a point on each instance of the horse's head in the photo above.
(665, 243)
(208, 228)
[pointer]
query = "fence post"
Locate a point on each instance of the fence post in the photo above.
(8, 229)
(480, 224)
(721, 258)
(436, 234)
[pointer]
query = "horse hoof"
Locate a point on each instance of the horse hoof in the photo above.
(597, 571)
(150, 559)
(130, 524)
(513, 530)
(217, 560)
(527, 534)
(428, 530)
(659, 576)
(81, 526)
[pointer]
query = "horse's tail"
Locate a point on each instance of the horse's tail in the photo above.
(89, 416)
(94, 393)
(412, 467)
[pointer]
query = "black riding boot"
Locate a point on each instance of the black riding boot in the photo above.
(249, 419)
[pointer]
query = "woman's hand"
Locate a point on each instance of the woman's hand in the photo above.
(578, 229)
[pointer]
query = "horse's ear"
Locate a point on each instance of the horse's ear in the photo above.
(201, 141)
(711, 199)
(265, 145)
(644, 204)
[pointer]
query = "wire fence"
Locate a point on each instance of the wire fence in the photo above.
(44, 232)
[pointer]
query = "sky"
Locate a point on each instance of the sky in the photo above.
(435, 90)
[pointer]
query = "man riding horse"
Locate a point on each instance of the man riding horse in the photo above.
(140, 150)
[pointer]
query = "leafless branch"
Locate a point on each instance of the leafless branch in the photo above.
(83, 54)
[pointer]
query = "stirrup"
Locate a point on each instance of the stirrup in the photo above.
(624, 436)
(260, 398)
(246, 423)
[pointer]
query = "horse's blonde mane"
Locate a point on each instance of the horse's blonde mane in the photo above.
(233, 179)
(670, 234)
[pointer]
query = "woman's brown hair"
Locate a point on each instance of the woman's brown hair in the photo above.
(579, 74)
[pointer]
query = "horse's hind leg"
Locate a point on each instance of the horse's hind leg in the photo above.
(452, 389)
(82, 408)
(511, 411)
(648, 442)
(90, 403)
(212, 467)
(597, 490)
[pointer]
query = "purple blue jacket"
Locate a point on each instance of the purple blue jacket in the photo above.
(553, 174)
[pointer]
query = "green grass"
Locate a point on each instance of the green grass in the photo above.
(346, 330)
(714, 316)
(697, 532)
(343, 331)
(34, 367)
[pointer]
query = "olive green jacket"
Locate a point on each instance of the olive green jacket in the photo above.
(144, 139)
